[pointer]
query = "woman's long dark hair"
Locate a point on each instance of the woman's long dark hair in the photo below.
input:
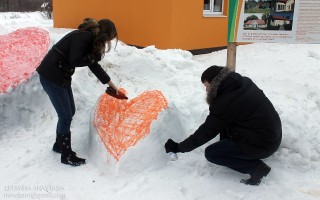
(107, 33)
(103, 32)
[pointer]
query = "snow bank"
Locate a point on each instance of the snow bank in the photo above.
(288, 74)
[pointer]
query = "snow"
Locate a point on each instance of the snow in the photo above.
(288, 74)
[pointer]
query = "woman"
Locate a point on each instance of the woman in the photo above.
(248, 124)
(83, 47)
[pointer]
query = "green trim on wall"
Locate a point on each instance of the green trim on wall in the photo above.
(232, 19)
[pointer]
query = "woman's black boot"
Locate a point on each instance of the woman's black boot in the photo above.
(67, 156)
(56, 147)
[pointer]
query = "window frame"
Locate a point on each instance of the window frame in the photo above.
(211, 12)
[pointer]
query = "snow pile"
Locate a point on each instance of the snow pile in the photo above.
(288, 74)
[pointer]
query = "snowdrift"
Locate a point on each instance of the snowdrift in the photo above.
(128, 136)
(287, 73)
(20, 54)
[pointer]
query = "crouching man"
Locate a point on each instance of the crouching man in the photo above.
(248, 124)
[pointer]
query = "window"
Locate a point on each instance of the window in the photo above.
(213, 7)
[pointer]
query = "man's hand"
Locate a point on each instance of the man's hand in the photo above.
(171, 146)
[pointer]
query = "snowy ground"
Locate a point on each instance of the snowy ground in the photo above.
(288, 74)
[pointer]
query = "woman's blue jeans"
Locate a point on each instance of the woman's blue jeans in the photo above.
(62, 101)
(227, 153)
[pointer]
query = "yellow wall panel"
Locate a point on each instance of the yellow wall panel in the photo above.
(163, 23)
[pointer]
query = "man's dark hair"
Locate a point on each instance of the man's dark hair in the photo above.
(209, 74)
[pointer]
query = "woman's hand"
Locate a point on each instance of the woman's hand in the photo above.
(114, 91)
(110, 83)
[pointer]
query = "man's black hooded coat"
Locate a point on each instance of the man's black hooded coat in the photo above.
(241, 112)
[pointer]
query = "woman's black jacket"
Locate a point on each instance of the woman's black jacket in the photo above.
(73, 50)
(242, 113)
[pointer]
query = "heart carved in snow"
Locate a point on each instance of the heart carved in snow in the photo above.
(121, 123)
(20, 54)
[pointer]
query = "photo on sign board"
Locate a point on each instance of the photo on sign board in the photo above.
(269, 15)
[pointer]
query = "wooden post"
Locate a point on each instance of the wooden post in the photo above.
(231, 55)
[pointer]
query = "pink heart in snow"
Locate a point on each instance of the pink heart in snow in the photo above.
(20, 54)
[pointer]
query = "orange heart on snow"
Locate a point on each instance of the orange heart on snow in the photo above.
(121, 123)
(20, 54)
